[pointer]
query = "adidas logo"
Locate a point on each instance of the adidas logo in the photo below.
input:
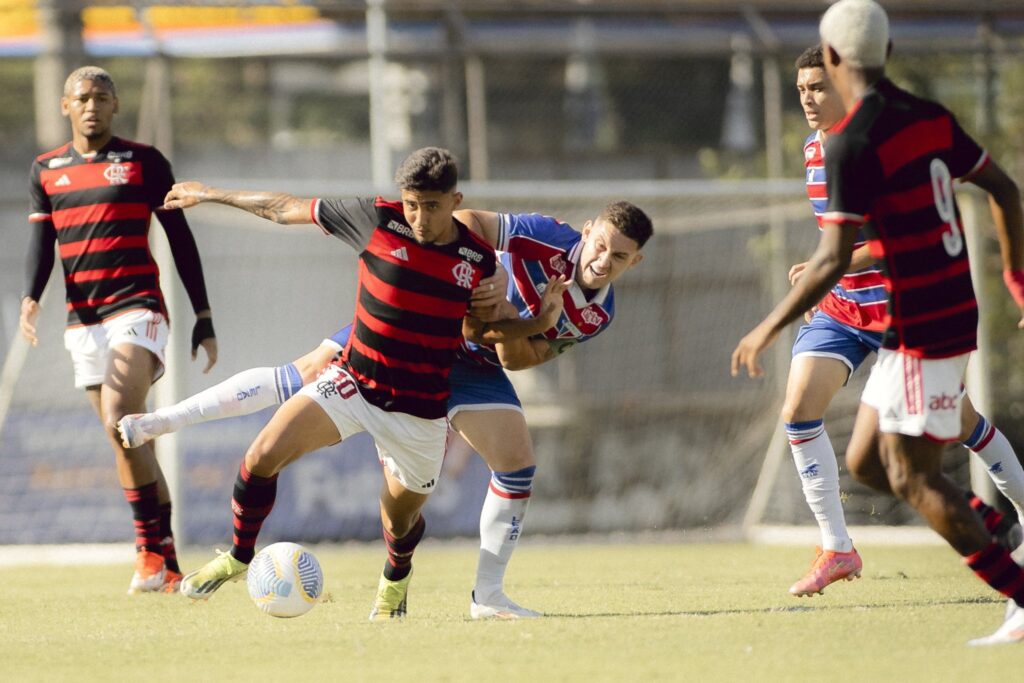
(400, 254)
(63, 181)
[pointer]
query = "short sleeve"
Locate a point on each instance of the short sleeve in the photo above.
(966, 156)
(517, 230)
(852, 173)
(350, 220)
(39, 202)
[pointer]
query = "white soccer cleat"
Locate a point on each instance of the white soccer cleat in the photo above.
(1012, 630)
(202, 583)
(499, 606)
(140, 428)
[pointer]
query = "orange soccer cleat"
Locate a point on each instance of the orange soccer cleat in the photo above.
(828, 567)
(150, 573)
(172, 580)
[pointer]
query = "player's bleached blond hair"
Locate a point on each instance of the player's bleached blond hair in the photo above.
(89, 73)
(858, 30)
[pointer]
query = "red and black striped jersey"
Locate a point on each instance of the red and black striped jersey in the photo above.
(100, 207)
(410, 303)
(891, 164)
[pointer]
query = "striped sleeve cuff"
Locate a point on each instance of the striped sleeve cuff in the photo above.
(840, 217)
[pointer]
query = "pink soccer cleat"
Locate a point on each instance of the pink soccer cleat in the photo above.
(828, 567)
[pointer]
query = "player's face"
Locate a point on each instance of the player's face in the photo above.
(823, 108)
(606, 255)
(90, 106)
(430, 214)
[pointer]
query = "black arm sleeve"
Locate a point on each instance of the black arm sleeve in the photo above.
(159, 180)
(350, 220)
(40, 259)
(186, 257)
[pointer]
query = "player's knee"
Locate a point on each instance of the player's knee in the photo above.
(795, 409)
(264, 457)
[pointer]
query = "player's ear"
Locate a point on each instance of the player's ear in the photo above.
(637, 258)
(117, 105)
(457, 197)
(65, 106)
(586, 228)
(833, 57)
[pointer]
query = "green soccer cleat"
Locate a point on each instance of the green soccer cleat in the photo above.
(390, 602)
(201, 584)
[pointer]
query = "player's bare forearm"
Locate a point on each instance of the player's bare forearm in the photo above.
(821, 272)
(1009, 221)
(500, 331)
(521, 354)
(1004, 202)
(860, 259)
(279, 207)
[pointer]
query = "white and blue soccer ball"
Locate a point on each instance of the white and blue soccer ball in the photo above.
(285, 580)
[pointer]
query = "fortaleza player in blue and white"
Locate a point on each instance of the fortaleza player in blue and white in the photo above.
(483, 407)
(845, 328)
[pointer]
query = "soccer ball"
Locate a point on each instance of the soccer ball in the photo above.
(285, 580)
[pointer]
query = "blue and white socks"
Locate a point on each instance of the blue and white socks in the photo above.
(819, 478)
(989, 444)
(501, 523)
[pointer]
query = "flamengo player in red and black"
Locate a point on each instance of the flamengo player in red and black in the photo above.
(94, 197)
(892, 161)
(416, 274)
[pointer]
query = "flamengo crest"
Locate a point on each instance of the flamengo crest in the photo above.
(117, 174)
(463, 273)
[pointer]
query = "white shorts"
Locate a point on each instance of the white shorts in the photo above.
(412, 448)
(90, 345)
(916, 396)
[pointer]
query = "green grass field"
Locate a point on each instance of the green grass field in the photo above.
(690, 612)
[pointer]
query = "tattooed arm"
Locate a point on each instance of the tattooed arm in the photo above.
(279, 207)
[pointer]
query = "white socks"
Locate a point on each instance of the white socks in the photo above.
(247, 392)
(819, 477)
(989, 444)
(501, 523)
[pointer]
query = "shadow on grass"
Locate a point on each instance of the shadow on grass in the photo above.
(779, 610)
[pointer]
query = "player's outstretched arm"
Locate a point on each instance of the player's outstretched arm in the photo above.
(279, 207)
(1004, 202)
(830, 260)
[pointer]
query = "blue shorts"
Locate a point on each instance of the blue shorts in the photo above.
(473, 387)
(826, 337)
(478, 387)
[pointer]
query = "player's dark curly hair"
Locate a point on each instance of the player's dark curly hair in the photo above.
(811, 58)
(430, 169)
(630, 220)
